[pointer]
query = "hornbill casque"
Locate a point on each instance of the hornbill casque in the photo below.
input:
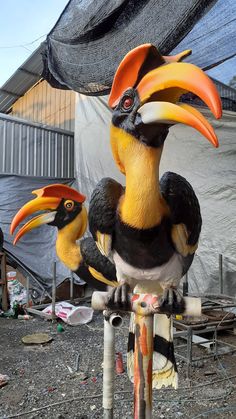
(147, 231)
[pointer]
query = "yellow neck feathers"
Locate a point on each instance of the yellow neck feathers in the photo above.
(142, 206)
(67, 249)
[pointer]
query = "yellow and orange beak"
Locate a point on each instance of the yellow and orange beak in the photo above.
(160, 89)
(43, 202)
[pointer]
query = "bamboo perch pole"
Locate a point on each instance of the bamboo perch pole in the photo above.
(192, 304)
(144, 306)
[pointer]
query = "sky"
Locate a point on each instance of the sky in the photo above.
(22, 22)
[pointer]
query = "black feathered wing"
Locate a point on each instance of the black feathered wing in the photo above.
(103, 212)
(184, 213)
(97, 268)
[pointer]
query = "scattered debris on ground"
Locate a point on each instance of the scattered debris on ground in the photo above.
(63, 379)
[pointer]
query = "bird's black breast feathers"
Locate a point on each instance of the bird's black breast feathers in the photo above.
(146, 248)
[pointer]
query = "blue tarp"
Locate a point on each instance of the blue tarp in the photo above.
(213, 41)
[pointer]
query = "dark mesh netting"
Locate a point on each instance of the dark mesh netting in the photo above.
(91, 37)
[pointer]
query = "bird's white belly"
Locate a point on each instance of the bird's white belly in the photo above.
(168, 274)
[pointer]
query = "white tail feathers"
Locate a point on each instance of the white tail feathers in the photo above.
(164, 366)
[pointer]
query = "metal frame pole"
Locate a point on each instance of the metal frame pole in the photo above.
(4, 283)
(54, 276)
(27, 292)
(189, 351)
(221, 274)
(71, 286)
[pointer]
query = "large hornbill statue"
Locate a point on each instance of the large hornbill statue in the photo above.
(149, 229)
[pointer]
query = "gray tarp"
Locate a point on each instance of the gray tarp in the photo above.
(36, 249)
(211, 172)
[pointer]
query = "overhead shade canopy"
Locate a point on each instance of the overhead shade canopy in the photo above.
(91, 37)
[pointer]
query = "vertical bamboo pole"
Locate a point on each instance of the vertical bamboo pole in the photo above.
(108, 370)
(143, 366)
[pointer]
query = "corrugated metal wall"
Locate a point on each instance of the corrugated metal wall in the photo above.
(47, 105)
(32, 149)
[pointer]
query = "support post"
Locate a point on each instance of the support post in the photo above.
(143, 366)
(144, 306)
(221, 274)
(185, 285)
(54, 276)
(4, 282)
(27, 292)
(108, 369)
(189, 351)
(71, 286)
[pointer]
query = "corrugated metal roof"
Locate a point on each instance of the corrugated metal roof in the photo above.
(22, 80)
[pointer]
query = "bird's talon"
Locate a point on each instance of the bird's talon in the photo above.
(171, 302)
(118, 298)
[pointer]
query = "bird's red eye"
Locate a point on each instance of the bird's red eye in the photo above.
(127, 103)
(69, 205)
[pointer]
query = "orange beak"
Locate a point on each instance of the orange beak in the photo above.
(168, 83)
(159, 90)
(37, 204)
(43, 202)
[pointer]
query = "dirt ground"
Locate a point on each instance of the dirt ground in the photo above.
(44, 382)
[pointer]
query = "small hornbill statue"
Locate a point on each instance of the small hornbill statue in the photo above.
(65, 210)
(149, 229)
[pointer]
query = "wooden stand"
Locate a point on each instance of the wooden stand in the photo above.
(144, 306)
